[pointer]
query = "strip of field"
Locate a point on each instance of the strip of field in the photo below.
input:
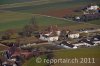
(20, 20)
(45, 7)
(6, 16)
(34, 2)
(12, 1)
(34, 7)
(9, 20)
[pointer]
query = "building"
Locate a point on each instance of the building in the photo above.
(93, 7)
(73, 35)
(50, 34)
(48, 38)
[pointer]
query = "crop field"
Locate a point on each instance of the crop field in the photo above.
(57, 8)
(13, 1)
(15, 20)
(11, 16)
(47, 7)
(11, 20)
(32, 7)
(18, 17)
(17, 3)
(21, 1)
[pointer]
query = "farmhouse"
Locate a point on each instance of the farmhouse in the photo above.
(91, 12)
(93, 7)
(50, 34)
(48, 38)
(73, 35)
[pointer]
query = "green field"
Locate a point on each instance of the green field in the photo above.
(21, 1)
(12, 1)
(13, 20)
(16, 20)
(10, 20)
(20, 15)
(17, 3)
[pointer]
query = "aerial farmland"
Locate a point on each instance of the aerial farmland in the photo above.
(49, 33)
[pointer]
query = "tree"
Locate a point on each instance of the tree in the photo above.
(29, 29)
(63, 35)
(34, 24)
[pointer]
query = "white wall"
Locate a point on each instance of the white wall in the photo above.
(54, 38)
(73, 36)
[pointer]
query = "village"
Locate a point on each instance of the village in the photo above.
(34, 41)
(54, 36)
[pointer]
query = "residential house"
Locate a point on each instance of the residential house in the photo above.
(73, 35)
(51, 34)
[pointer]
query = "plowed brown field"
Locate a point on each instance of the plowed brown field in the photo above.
(58, 12)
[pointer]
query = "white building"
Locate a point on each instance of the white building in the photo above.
(52, 34)
(95, 7)
(58, 32)
(48, 38)
(76, 35)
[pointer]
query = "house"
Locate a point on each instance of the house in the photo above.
(66, 45)
(48, 38)
(93, 7)
(50, 34)
(73, 35)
